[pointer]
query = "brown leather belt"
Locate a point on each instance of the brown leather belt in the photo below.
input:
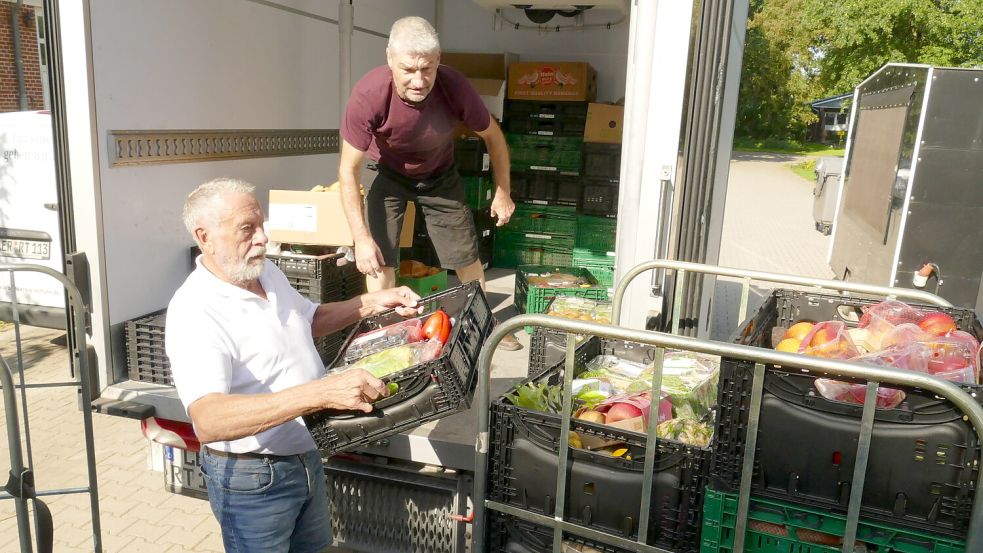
(249, 455)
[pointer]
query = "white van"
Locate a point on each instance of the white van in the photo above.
(29, 231)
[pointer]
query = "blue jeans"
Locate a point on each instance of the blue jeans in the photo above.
(274, 505)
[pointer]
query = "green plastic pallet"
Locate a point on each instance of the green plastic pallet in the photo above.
(535, 299)
(777, 527)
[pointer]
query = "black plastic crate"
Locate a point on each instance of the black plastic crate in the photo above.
(311, 266)
(600, 197)
(602, 160)
(484, 225)
(559, 126)
(471, 156)
(146, 360)
(340, 283)
(510, 534)
(603, 492)
(548, 348)
(525, 109)
(546, 188)
(427, 391)
(923, 456)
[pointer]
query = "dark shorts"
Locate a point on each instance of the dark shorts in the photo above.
(439, 200)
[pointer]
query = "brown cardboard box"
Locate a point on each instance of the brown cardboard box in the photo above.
(552, 81)
(604, 123)
(303, 217)
(486, 73)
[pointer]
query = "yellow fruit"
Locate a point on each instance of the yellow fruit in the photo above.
(619, 452)
(798, 331)
(575, 441)
(790, 345)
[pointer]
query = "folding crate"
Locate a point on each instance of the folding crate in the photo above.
(570, 126)
(426, 391)
(923, 456)
(602, 160)
(596, 233)
(534, 299)
(603, 492)
(513, 249)
(534, 187)
(471, 156)
(541, 153)
(146, 360)
(543, 219)
(600, 197)
(600, 264)
(526, 109)
(779, 527)
(479, 191)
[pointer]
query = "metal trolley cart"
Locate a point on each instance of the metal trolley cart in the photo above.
(873, 375)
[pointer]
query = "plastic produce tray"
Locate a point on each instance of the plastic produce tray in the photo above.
(602, 160)
(600, 197)
(534, 299)
(544, 219)
(543, 153)
(596, 233)
(513, 249)
(778, 527)
(600, 264)
(569, 126)
(146, 360)
(603, 492)
(527, 109)
(546, 188)
(427, 391)
(923, 455)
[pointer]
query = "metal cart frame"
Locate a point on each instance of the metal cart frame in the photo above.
(20, 486)
(874, 375)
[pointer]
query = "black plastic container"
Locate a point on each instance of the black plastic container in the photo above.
(562, 126)
(323, 278)
(146, 360)
(509, 534)
(923, 457)
(600, 197)
(427, 391)
(471, 156)
(524, 109)
(603, 492)
(484, 225)
(602, 160)
(546, 188)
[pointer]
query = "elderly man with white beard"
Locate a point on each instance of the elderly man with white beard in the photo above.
(240, 342)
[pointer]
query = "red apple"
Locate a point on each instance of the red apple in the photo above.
(937, 324)
(622, 411)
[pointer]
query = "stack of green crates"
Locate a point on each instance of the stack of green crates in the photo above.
(600, 264)
(535, 299)
(536, 235)
(545, 153)
(596, 233)
(479, 191)
(779, 527)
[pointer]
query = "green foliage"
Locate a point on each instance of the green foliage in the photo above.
(805, 169)
(537, 397)
(798, 51)
(780, 145)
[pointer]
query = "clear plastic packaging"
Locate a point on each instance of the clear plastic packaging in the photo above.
(395, 359)
(642, 401)
(829, 339)
(887, 398)
(556, 280)
(686, 430)
(892, 312)
(954, 357)
(572, 307)
(404, 332)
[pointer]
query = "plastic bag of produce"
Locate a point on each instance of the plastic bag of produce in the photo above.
(630, 406)
(396, 359)
(891, 312)
(686, 430)
(403, 332)
(954, 357)
(572, 307)
(887, 398)
(829, 339)
(556, 279)
(620, 373)
(904, 334)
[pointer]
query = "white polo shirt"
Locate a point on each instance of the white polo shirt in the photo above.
(223, 339)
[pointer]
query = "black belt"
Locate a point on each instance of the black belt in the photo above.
(248, 455)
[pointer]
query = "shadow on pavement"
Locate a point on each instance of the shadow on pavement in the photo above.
(765, 156)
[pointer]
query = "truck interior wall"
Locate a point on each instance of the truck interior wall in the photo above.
(469, 28)
(223, 64)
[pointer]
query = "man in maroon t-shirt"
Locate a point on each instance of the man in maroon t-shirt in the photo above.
(404, 115)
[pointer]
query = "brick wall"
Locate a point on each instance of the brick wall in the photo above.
(31, 65)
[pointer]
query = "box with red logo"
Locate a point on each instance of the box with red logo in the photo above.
(552, 81)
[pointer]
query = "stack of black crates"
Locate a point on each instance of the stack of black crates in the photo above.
(320, 278)
(921, 472)
(565, 189)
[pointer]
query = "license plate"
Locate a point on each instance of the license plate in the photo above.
(25, 249)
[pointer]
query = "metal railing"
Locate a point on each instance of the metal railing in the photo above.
(20, 488)
(874, 375)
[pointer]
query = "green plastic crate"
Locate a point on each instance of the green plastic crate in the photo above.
(479, 191)
(596, 233)
(535, 299)
(517, 248)
(552, 220)
(545, 153)
(425, 286)
(600, 264)
(781, 528)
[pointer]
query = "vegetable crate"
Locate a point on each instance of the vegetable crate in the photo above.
(509, 534)
(547, 348)
(602, 160)
(422, 285)
(779, 527)
(321, 279)
(545, 153)
(478, 190)
(604, 492)
(600, 264)
(513, 249)
(534, 299)
(923, 455)
(600, 197)
(146, 360)
(567, 126)
(471, 156)
(596, 233)
(426, 391)
(552, 220)
(525, 109)
(546, 189)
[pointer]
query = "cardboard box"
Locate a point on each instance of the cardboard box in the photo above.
(486, 73)
(552, 81)
(304, 217)
(605, 123)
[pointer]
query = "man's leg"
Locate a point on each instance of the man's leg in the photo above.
(385, 279)
(313, 530)
(385, 208)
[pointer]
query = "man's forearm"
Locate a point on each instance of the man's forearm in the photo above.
(226, 417)
(351, 201)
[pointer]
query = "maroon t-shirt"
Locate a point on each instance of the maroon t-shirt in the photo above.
(414, 140)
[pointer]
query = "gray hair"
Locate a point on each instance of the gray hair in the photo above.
(202, 201)
(413, 35)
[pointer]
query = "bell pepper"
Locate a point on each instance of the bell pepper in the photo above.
(437, 327)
